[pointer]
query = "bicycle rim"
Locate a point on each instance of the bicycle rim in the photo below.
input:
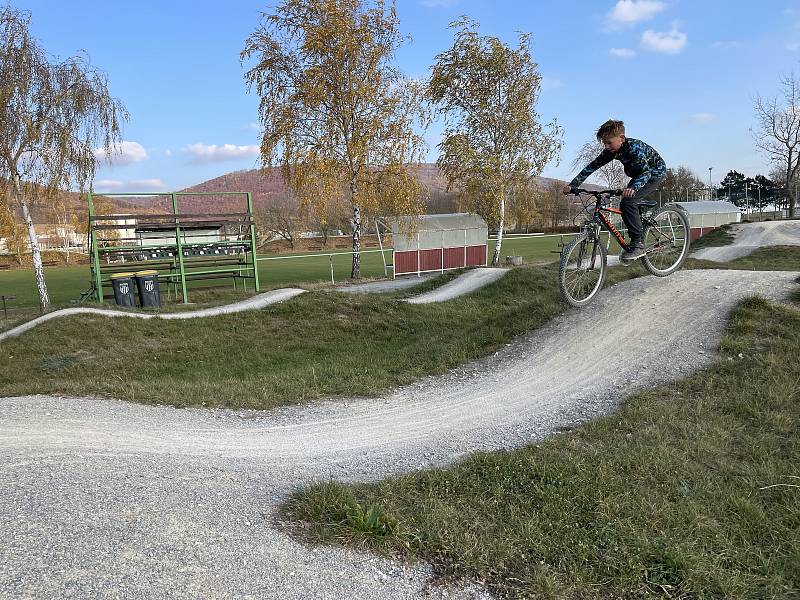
(583, 270)
(666, 241)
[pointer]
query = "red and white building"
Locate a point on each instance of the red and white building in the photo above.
(429, 243)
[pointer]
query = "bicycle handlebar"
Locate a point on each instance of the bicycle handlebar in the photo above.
(598, 193)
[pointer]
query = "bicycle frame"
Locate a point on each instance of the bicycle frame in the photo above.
(598, 221)
(601, 219)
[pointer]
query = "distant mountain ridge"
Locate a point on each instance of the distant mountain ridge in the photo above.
(268, 186)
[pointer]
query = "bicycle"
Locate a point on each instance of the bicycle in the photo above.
(584, 260)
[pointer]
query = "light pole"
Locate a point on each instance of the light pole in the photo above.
(760, 210)
(746, 199)
(710, 188)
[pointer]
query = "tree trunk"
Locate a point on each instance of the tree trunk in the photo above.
(44, 300)
(496, 257)
(356, 271)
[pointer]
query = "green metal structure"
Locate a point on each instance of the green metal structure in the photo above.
(182, 246)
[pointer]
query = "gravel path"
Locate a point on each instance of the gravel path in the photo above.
(750, 236)
(107, 499)
(385, 287)
(464, 284)
(256, 302)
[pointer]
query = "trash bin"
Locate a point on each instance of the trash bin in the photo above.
(149, 294)
(124, 293)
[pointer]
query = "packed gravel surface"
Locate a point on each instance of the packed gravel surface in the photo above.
(461, 285)
(384, 287)
(256, 302)
(749, 236)
(102, 498)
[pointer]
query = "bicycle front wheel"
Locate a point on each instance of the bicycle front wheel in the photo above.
(583, 270)
(666, 241)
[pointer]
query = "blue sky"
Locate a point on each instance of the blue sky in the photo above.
(682, 74)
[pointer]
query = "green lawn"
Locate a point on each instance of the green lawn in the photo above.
(66, 283)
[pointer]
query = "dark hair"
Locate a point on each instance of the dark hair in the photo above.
(609, 129)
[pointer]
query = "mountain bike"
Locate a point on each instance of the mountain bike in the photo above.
(584, 259)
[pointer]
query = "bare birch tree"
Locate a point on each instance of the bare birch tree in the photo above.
(494, 144)
(52, 115)
(612, 175)
(336, 114)
(777, 131)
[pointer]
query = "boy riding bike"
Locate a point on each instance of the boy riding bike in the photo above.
(642, 164)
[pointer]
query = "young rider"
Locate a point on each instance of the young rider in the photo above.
(642, 164)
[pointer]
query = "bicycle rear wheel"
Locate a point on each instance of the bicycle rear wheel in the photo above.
(582, 271)
(666, 241)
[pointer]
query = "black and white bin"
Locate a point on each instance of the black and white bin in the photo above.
(147, 282)
(124, 292)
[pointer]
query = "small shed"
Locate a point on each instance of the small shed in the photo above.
(707, 215)
(438, 242)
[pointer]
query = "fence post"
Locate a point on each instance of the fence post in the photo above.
(330, 256)
(465, 248)
(253, 242)
(418, 256)
(442, 245)
(95, 252)
(179, 243)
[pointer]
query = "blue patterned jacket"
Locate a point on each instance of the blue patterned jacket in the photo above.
(641, 162)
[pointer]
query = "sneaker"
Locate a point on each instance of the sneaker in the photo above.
(634, 251)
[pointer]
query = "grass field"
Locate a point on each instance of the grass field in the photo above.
(65, 283)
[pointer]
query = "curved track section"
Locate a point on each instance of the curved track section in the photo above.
(254, 303)
(464, 284)
(751, 236)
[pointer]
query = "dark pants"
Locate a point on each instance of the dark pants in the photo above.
(630, 210)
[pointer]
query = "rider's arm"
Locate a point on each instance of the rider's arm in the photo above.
(604, 158)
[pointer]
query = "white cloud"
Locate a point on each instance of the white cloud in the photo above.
(168, 152)
(139, 185)
(147, 185)
(622, 52)
(437, 3)
(204, 153)
(629, 12)
(703, 117)
(672, 42)
(793, 46)
(108, 184)
(124, 153)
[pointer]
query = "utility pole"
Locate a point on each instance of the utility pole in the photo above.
(710, 187)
